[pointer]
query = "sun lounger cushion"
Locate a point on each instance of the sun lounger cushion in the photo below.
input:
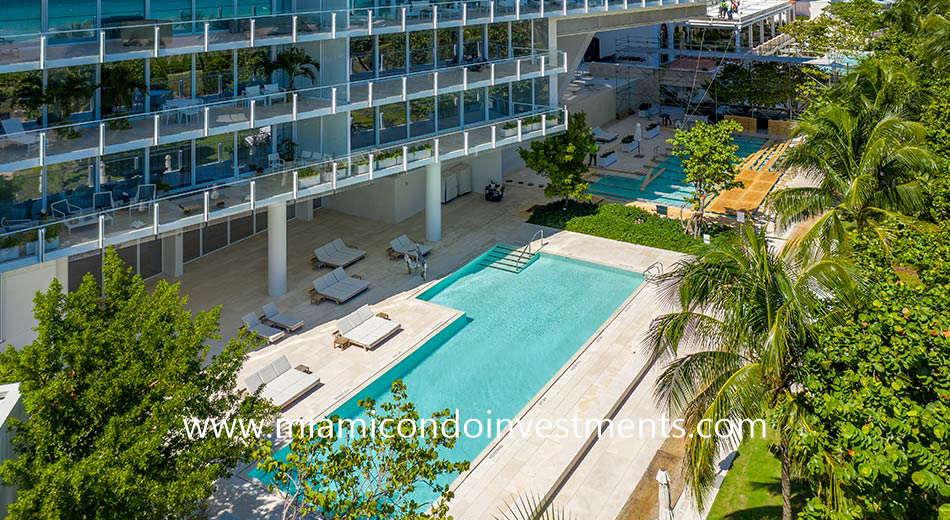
(372, 331)
(282, 384)
(603, 136)
(343, 248)
(337, 254)
(269, 333)
(403, 245)
(339, 286)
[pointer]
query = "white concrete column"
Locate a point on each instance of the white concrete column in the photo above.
(277, 249)
(762, 31)
(434, 202)
(738, 40)
(304, 210)
(173, 263)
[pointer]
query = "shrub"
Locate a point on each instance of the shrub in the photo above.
(618, 222)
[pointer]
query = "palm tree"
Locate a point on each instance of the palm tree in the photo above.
(119, 85)
(865, 168)
(748, 313)
(880, 88)
(66, 96)
(532, 507)
(294, 62)
(935, 41)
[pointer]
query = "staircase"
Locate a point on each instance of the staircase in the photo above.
(512, 259)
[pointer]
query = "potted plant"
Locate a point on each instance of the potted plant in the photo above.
(362, 165)
(388, 159)
(51, 239)
(9, 248)
(644, 109)
(309, 176)
(629, 143)
(530, 124)
(294, 62)
(509, 129)
(419, 152)
(652, 130)
(607, 158)
(118, 88)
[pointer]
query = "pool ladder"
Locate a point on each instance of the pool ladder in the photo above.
(513, 259)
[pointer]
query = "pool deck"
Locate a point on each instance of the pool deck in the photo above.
(236, 278)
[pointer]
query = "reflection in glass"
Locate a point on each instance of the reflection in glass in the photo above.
(392, 123)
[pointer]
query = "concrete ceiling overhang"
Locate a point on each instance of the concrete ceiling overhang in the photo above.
(590, 23)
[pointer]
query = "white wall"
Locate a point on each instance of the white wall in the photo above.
(17, 289)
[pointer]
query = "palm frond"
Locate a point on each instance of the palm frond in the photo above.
(531, 507)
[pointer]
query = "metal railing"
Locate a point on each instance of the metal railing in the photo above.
(526, 250)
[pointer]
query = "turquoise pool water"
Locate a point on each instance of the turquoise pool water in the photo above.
(670, 187)
(517, 332)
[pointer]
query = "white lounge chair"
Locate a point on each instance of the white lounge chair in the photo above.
(15, 133)
(336, 254)
(254, 324)
(282, 384)
(281, 320)
(402, 246)
(63, 208)
(602, 136)
(337, 286)
(364, 329)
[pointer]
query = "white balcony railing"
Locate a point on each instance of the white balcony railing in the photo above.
(87, 231)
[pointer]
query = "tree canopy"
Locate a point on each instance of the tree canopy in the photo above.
(561, 159)
(107, 385)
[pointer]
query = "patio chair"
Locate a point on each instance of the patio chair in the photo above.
(253, 323)
(364, 329)
(144, 194)
(402, 246)
(602, 136)
(102, 201)
(336, 254)
(282, 385)
(15, 133)
(13, 224)
(63, 208)
(281, 320)
(337, 286)
(274, 161)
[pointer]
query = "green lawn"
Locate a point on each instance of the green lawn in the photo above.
(753, 487)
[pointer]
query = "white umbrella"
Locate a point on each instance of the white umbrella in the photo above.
(666, 506)
(638, 133)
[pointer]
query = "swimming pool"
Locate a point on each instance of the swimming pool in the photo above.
(669, 187)
(517, 332)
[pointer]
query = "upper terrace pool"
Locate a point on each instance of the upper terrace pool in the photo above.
(517, 332)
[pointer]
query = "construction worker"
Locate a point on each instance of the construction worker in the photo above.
(593, 154)
(723, 8)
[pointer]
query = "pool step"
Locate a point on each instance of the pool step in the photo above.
(506, 258)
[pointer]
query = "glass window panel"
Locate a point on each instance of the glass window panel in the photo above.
(19, 16)
(421, 50)
(448, 47)
(214, 157)
(170, 78)
(79, 266)
(448, 111)
(21, 195)
(214, 77)
(474, 106)
(521, 37)
(392, 53)
(362, 124)
(498, 103)
(129, 256)
(540, 33)
(392, 125)
(253, 147)
(521, 95)
(422, 116)
(541, 89)
(498, 41)
(361, 57)
(241, 227)
(191, 245)
(65, 15)
(118, 11)
(213, 9)
(123, 88)
(250, 62)
(9, 106)
(253, 7)
(73, 181)
(150, 258)
(172, 11)
(122, 173)
(474, 45)
(214, 237)
(71, 91)
(170, 167)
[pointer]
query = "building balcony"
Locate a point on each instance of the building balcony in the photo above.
(22, 52)
(73, 230)
(194, 118)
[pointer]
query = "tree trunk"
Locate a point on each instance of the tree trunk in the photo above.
(786, 481)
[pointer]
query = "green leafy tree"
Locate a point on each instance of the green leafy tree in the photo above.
(877, 398)
(354, 477)
(709, 163)
(865, 169)
(295, 63)
(107, 385)
(747, 316)
(765, 84)
(562, 160)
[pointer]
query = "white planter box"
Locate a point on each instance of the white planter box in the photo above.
(420, 155)
(387, 163)
(309, 181)
(362, 168)
(531, 128)
(509, 132)
(629, 147)
(9, 253)
(603, 162)
(650, 134)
